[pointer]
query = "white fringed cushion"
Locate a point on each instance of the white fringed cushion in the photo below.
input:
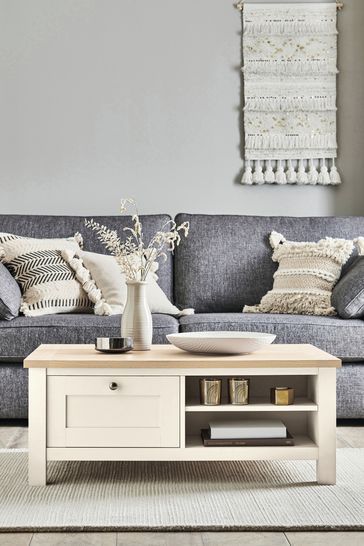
(47, 282)
(305, 277)
(106, 284)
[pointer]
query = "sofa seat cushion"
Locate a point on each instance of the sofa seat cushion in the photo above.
(341, 338)
(19, 337)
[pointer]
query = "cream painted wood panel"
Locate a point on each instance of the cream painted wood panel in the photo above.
(37, 427)
(139, 412)
(304, 448)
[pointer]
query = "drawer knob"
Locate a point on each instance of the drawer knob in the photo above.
(113, 386)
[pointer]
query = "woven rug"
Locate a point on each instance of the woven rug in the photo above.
(181, 496)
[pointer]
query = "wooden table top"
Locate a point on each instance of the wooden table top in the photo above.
(168, 356)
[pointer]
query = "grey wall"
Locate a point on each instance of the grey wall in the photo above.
(108, 98)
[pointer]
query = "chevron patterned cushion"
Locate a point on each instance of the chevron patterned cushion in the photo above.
(47, 282)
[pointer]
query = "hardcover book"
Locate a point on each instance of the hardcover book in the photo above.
(208, 442)
(248, 428)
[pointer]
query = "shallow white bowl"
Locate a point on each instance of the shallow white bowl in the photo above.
(228, 343)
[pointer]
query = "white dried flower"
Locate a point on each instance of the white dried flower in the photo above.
(136, 259)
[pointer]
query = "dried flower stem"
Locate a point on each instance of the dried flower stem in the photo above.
(134, 258)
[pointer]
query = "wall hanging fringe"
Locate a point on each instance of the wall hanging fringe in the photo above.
(298, 171)
(289, 67)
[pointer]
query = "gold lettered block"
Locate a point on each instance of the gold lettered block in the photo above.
(282, 396)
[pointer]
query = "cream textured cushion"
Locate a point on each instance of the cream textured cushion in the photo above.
(305, 277)
(47, 282)
(106, 286)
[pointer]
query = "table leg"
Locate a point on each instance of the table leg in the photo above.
(37, 426)
(326, 426)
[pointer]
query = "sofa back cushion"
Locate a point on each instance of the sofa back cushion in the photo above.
(63, 226)
(226, 261)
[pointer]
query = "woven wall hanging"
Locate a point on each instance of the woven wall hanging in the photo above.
(289, 73)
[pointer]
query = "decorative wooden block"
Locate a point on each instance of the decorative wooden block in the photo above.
(282, 396)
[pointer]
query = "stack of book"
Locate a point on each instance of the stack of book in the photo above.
(247, 432)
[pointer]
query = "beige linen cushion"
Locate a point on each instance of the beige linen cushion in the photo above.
(105, 284)
(305, 277)
(48, 284)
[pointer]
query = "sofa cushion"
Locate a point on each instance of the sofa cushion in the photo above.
(348, 294)
(226, 261)
(62, 226)
(306, 275)
(48, 284)
(105, 283)
(22, 335)
(341, 338)
(10, 295)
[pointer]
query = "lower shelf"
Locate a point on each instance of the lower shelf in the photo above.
(305, 448)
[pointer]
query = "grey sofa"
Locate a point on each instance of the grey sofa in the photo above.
(224, 264)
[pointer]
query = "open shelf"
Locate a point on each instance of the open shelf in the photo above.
(257, 404)
(304, 448)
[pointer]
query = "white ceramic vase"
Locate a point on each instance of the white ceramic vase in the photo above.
(136, 321)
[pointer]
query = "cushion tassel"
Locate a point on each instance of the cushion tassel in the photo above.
(275, 239)
(269, 173)
(302, 177)
(258, 176)
(247, 175)
(312, 173)
(291, 173)
(334, 174)
(323, 177)
(280, 174)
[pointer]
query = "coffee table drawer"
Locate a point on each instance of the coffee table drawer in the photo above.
(113, 411)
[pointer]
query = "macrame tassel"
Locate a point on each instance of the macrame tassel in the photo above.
(280, 174)
(258, 176)
(312, 173)
(247, 175)
(323, 177)
(291, 173)
(334, 174)
(269, 173)
(302, 177)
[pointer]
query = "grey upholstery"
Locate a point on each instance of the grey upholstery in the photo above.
(13, 391)
(350, 391)
(344, 339)
(348, 294)
(225, 263)
(19, 337)
(10, 295)
(65, 226)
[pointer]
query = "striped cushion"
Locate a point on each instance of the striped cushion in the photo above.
(305, 277)
(47, 282)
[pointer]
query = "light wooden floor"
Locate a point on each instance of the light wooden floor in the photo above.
(16, 437)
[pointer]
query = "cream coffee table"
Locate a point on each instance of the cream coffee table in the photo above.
(144, 406)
